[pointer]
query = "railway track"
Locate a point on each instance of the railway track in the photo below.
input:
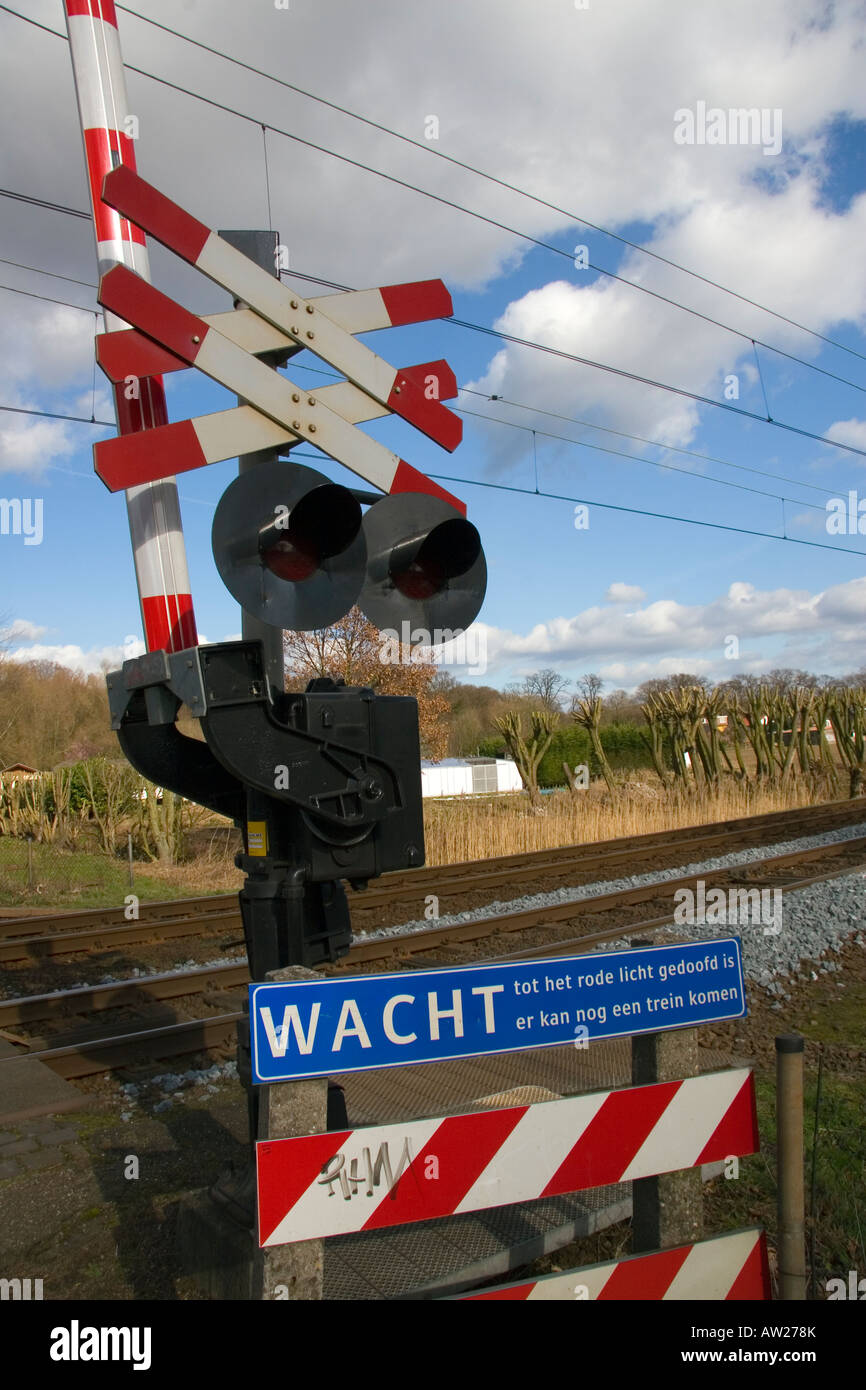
(605, 917)
(38, 939)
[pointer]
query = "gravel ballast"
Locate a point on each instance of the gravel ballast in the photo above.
(811, 920)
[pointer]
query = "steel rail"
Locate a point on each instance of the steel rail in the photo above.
(18, 941)
(105, 1053)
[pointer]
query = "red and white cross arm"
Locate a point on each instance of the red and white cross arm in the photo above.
(728, 1268)
(301, 412)
(305, 321)
(499, 1157)
(229, 433)
(130, 353)
(154, 513)
(356, 311)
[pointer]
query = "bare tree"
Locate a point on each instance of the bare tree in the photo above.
(355, 651)
(545, 687)
(621, 708)
(683, 680)
(589, 687)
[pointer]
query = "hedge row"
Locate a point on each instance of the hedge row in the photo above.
(624, 744)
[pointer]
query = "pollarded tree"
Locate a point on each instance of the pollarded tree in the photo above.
(528, 750)
(587, 713)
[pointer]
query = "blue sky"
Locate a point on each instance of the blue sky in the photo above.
(572, 111)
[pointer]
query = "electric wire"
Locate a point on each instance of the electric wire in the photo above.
(48, 299)
(536, 492)
(641, 511)
(469, 212)
(522, 342)
(562, 438)
(57, 415)
(484, 174)
(19, 265)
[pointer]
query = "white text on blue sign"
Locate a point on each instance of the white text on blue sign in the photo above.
(315, 1028)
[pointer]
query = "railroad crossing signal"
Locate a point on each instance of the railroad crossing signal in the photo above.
(326, 782)
(291, 546)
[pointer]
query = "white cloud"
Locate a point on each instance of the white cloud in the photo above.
(565, 104)
(29, 444)
(817, 631)
(624, 593)
(599, 137)
(600, 141)
(21, 630)
(90, 661)
(848, 432)
(45, 342)
(777, 249)
(94, 661)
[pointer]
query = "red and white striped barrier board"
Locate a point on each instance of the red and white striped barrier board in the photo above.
(728, 1268)
(330, 1184)
(305, 321)
(304, 414)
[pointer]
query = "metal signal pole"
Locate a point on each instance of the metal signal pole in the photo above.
(109, 131)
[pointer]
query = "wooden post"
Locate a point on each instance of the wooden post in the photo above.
(666, 1210)
(287, 1110)
(789, 1160)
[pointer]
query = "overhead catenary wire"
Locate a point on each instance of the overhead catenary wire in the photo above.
(658, 385)
(48, 299)
(483, 174)
(111, 424)
(580, 443)
(19, 265)
(577, 443)
(620, 371)
(531, 492)
(58, 415)
(547, 434)
(43, 202)
(482, 217)
(639, 439)
(589, 424)
(636, 458)
(543, 347)
(642, 511)
(599, 366)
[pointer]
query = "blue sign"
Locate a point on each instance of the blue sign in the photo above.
(360, 1023)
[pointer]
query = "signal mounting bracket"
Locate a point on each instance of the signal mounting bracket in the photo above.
(337, 768)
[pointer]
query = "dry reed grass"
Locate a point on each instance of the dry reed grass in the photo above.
(485, 827)
(475, 830)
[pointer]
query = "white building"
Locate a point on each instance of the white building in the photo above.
(469, 776)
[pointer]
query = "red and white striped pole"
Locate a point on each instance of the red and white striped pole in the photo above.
(154, 511)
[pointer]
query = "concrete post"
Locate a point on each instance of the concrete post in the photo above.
(287, 1110)
(218, 1239)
